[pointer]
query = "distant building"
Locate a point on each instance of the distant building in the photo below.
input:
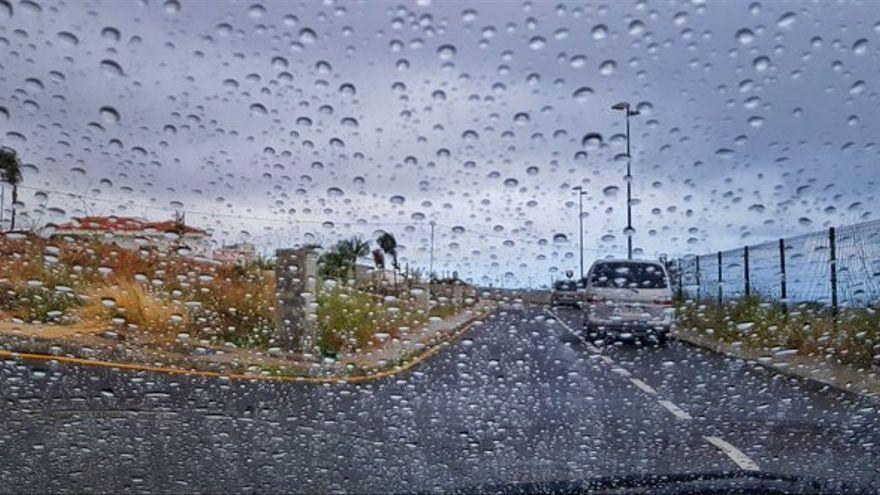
(136, 233)
(240, 253)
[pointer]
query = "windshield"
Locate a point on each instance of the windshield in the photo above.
(565, 286)
(628, 275)
(439, 246)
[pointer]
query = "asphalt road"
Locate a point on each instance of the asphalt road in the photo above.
(521, 399)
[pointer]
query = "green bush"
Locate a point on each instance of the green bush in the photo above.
(38, 304)
(350, 319)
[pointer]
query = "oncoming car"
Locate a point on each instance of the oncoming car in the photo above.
(628, 298)
(565, 293)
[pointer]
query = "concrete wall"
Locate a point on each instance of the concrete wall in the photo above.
(296, 306)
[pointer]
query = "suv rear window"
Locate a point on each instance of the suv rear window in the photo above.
(565, 285)
(628, 275)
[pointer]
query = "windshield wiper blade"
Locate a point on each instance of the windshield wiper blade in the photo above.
(638, 481)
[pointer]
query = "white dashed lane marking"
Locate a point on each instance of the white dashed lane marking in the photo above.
(736, 455)
(644, 387)
(675, 410)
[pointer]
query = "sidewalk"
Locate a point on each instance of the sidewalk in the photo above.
(825, 373)
(109, 344)
(414, 341)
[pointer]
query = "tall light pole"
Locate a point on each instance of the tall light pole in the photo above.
(624, 106)
(581, 193)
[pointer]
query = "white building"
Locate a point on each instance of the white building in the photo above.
(136, 233)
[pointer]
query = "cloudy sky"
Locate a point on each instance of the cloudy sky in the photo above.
(285, 123)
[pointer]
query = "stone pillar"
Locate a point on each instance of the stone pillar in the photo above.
(296, 319)
(422, 297)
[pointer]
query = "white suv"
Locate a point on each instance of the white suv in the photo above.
(628, 298)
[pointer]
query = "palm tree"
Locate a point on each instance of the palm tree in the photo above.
(343, 258)
(388, 244)
(10, 172)
(333, 265)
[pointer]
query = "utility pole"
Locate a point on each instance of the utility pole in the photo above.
(581, 193)
(2, 204)
(629, 229)
(431, 264)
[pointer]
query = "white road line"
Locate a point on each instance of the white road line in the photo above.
(736, 455)
(607, 360)
(590, 347)
(621, 371)
(675, 410)
(644, 387)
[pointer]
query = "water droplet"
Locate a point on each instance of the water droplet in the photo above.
(522, 118)
(109, 115)
(583, 94)
(110, 34)
(111, 69)
(786, 20)
(68, 39)
(592, 140)
(258, 110)
(860, 47)
(636, 27)
(761, 63)
(397, 199)
(446, 52)
(537, 43)
(171, 6)
(307, 36)
(857, 88)
(256, 11)
(745, 36)
(610, 191)
(599, 32)
(347, 89)
(607, 67)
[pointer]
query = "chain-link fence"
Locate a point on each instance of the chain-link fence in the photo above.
(834, 267)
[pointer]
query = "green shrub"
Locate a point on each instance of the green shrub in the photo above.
(350, 319)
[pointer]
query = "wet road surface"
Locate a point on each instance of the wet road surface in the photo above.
(522, 398)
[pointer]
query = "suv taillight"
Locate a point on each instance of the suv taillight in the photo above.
(663, 301)
(594, 299)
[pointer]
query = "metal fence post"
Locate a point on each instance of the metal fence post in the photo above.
(833, 263)
(746, 270)
(783, 288)
(697, 261)
(680, 269)
(720, 280)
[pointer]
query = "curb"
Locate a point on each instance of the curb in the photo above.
(464, 327)
(816, 382)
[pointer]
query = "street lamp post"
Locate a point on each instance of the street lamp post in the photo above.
(581, 193)
(624, 106)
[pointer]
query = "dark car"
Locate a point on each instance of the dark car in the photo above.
(565, 293)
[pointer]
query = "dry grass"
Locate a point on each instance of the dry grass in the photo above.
(127, 302)
(87, 279)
